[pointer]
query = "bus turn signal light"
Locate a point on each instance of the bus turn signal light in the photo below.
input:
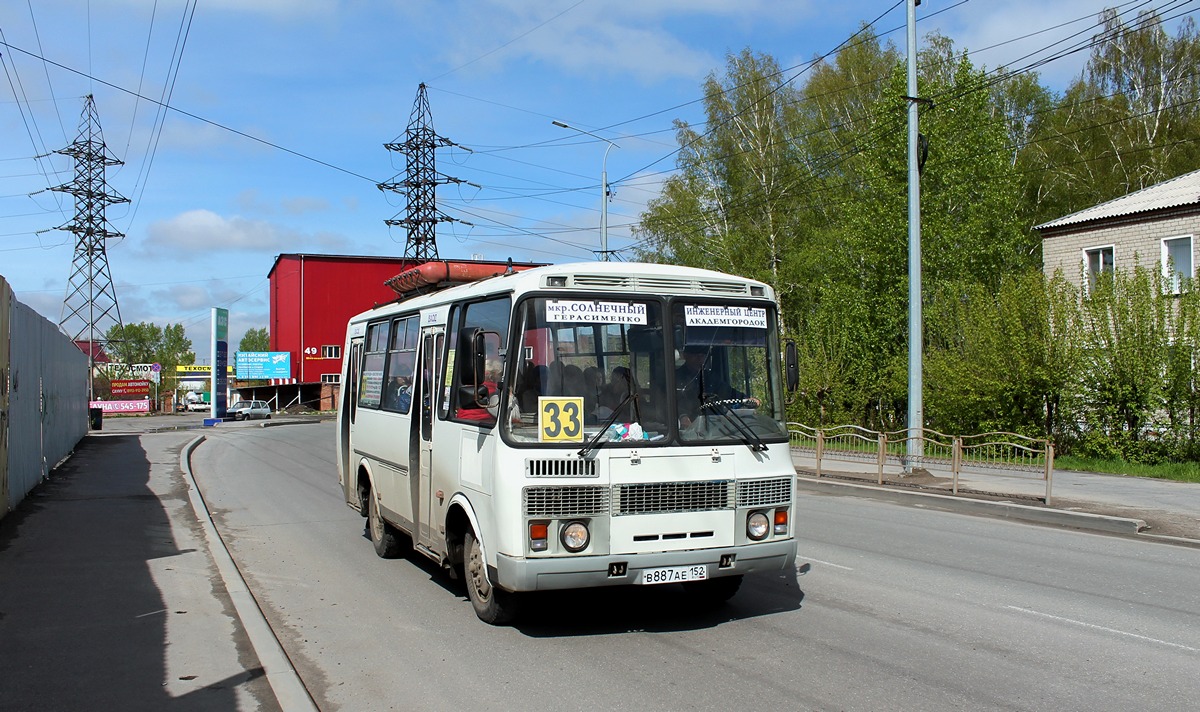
(539, 536)
(781, 521)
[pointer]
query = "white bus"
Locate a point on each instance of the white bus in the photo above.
(569, 426)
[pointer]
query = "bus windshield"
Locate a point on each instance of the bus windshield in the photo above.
(580, 366)
(725, 379)
(599, 360)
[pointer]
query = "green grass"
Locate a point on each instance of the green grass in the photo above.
(1180, 471)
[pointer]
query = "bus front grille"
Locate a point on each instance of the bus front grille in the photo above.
(567, 501)
(558, 467)
(663, 497)
(764, 493)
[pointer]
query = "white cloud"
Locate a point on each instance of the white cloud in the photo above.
(305, 204)
(199, 231)
(638, 39)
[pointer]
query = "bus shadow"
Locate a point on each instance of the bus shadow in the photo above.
(653, 609)
(606, 610)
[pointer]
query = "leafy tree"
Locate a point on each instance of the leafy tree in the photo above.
(731, 206)
(255, 340)
(1131, 120)
(146, 342)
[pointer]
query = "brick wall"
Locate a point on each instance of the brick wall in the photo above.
(1132, 238)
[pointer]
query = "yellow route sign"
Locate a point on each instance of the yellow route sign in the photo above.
(560, 419)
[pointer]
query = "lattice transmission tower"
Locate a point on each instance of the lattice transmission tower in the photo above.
(419, 185)
(90, 306)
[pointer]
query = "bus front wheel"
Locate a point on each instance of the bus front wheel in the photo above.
(389, 543)
(491, 604)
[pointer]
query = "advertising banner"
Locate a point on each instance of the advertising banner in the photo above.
(195, 373)
(263, 364)
(122, 406)
(130, 389)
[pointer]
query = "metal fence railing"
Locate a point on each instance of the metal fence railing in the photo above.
(992, 454)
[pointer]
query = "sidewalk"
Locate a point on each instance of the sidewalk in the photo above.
(1168, 508)
(109, 598)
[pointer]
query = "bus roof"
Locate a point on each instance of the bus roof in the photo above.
(615, 277)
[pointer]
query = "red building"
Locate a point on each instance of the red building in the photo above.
(312, 298)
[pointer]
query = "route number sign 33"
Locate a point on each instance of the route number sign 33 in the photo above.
(560, 420)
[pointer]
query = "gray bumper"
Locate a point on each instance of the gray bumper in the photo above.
(520, 574)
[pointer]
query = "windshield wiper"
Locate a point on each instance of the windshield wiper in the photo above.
(754, 442)
(595, 441)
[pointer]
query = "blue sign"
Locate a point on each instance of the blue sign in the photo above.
(256, 365)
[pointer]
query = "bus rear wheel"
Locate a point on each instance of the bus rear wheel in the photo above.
(388, 541)
(491, 604)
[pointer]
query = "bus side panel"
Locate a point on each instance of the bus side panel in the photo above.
(385, 436)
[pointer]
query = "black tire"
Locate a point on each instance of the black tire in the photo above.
(714, 591)
(389, 542)
(493, 605)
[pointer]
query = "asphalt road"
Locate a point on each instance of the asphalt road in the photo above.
(902, 609)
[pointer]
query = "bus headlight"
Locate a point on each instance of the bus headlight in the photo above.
(757, 526)
(575, 537)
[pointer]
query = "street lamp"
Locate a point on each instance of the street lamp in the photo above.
(603, 186)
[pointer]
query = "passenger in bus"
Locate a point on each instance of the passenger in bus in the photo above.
(573, 382)
(593, 384)
(398, 396)
(528, 387)
(619, 386)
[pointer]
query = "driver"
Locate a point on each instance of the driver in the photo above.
(695, 385)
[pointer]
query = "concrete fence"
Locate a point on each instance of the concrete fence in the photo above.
(863, 452)
(43, 398)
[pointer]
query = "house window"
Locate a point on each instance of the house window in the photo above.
(331, 352)
(1177, 261)
(331, 378)
(1097, 261)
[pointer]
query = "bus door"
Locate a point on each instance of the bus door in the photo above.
(347, 409)
(430, 371)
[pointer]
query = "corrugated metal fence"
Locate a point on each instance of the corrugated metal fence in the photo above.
(43, 398)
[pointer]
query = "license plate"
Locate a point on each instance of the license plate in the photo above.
(674, 574)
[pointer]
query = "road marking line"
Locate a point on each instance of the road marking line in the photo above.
(826, 563)
(1106, 630)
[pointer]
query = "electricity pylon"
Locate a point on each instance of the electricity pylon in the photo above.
(420, 182)
(90, 306)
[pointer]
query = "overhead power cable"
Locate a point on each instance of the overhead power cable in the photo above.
(190, 115)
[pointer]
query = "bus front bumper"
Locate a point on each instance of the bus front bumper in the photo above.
(528, 574)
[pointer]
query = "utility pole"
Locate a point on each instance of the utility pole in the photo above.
(916, 405)
(421, 179)
(90, 306)
(605, 193)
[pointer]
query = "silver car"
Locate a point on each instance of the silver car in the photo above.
(249, 410)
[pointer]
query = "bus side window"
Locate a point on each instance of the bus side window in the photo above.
(480, 341)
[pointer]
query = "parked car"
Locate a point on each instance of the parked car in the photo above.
(249, 410)
(197, 405)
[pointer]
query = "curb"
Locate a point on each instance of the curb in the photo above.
(289, 689)
(1008, 510)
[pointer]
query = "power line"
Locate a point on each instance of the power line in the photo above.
(190, 115)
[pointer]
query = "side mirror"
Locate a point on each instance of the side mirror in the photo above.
(482, 343)
(791, 367)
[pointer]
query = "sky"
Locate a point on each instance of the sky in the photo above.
(279, 110)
